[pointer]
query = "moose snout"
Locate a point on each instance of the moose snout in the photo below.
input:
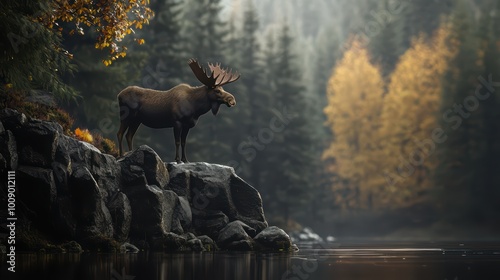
(231, 102)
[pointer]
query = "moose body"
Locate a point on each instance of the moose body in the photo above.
(180, 107)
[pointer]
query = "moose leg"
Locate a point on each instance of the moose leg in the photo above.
(184, 133)
(130, 134)
(177, 137)
(121, 131)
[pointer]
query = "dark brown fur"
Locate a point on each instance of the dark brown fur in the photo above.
(179, 107)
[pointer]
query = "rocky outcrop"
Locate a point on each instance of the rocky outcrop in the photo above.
(68, 190)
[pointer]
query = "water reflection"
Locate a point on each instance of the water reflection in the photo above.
(355, 261)
(216, 265)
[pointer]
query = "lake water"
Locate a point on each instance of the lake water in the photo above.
(332, 261)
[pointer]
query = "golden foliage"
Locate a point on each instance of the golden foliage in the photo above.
(375, 132)
(355, 91)
(112, 20)
(410, 116)
(105, 145)
(84, 135)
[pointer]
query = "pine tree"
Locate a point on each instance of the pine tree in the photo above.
(323, 57)
(423, 16)
(204, 30)
(383, 45)
(452, 177)
(165, 61)
(32, 55)
(467, 159)
(251, 112)
(289, 153)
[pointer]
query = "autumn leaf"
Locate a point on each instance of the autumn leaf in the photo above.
(113, 20)
(84, 135)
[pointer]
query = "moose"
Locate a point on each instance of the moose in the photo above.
(179, 107)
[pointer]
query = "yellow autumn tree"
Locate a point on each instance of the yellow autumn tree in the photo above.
(355, 93)
(409, 118)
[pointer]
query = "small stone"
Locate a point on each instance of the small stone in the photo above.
(208, 243)
(72, 247)
(195, 245)
(127, 247)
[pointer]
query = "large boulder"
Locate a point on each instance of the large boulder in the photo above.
(63, 216)
(274, 238)
(169, 242)
(72, 153)
(92, 215)
(213, 187)
(183, 214)
(144, 162)
(37, 190)
(152, 211)
(234, 237)
(121, 214)
(209, 222)
(37, 142)
(248, 203)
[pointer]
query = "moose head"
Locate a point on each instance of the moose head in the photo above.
(214, 82)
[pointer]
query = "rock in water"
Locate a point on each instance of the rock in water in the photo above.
(234, 237)
(127, 247)
(72, 247)
(208, 243)
(274, 238)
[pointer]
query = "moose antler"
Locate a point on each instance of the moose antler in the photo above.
(218, 75)
(201, 73)
(223, 76)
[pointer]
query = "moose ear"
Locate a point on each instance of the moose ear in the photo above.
(215, 108)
